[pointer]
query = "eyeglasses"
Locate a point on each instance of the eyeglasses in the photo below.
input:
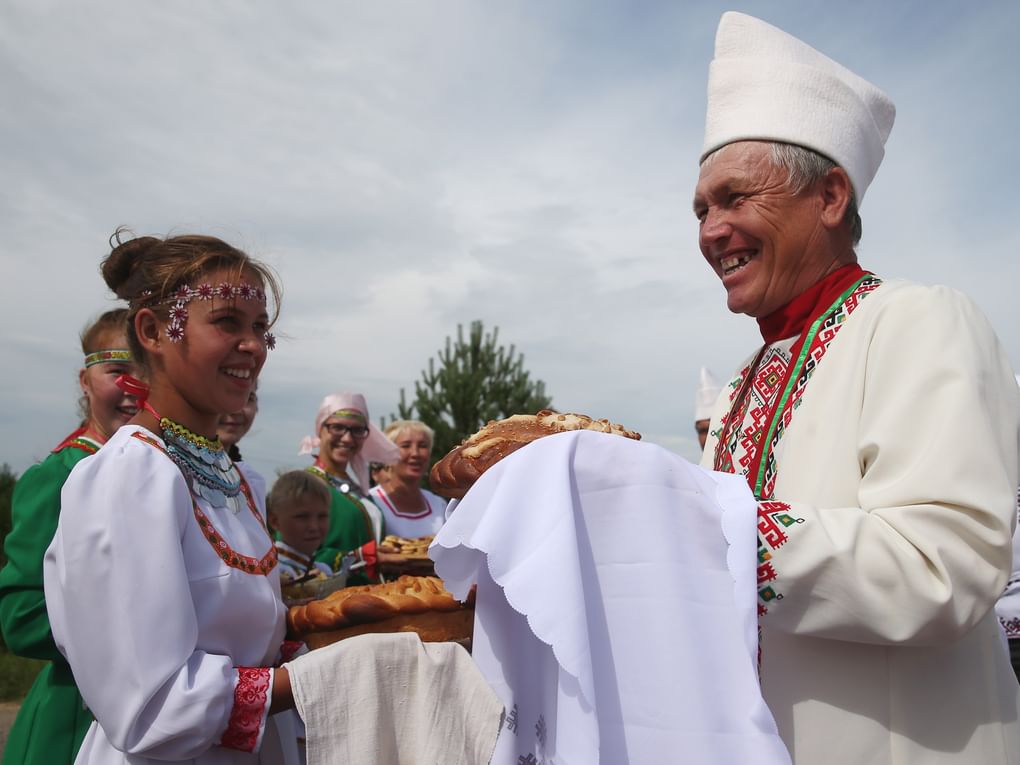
(339, 429)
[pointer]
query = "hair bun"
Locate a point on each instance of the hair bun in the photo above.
(122, 263)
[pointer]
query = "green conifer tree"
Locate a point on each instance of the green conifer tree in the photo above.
(470, 382)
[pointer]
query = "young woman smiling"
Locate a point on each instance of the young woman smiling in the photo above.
(161, 581)
(52, 720)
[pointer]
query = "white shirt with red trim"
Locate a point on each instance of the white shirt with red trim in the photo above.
(425, 522)
(168, 611)
(886, 539)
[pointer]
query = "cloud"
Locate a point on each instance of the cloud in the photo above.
(410, 166)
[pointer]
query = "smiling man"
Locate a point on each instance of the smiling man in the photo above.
(877, 426)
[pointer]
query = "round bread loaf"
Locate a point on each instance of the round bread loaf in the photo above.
(455, 473)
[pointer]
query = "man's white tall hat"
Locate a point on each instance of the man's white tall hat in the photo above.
(708, 392)
(765, 84)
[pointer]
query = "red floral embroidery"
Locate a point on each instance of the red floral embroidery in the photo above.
(289, 649)
(251, 695)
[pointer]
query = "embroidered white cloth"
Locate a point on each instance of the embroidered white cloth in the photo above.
(393, 700)
(615, 613)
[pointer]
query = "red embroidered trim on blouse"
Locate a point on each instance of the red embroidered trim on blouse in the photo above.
(251, 695)
(396, 511)
(289, 649)
(78, 440)
(227, 553)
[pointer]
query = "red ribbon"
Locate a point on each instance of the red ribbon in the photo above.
(135, 387)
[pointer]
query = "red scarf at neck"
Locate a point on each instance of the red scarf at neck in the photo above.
(791, 319)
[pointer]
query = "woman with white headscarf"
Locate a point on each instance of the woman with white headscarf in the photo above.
(345, 442)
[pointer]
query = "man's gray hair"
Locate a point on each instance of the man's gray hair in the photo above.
(804, 168)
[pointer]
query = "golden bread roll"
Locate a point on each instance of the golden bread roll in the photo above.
(371, 603)
(431, 627)
(455, 473)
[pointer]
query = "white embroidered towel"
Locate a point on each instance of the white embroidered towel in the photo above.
(393, 700)
(616, 606)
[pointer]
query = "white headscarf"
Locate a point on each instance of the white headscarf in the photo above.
(375, 448)
(767, 85)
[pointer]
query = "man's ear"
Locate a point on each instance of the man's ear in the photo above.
(835, 191)
(147, 328)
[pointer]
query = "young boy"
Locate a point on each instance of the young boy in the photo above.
(298, 506)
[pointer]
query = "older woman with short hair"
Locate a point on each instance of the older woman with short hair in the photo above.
(408, 509)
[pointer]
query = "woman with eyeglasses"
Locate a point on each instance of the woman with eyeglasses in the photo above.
(345, 443)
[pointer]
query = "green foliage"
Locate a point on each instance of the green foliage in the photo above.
(7, 480)
(17, 675)
(470, 382)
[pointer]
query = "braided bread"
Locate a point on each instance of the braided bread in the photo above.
(371, 603)
(455, 473)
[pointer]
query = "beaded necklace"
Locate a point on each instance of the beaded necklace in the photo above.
(206, 466)
(211, 473)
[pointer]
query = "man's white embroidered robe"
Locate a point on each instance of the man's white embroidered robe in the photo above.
(899, 467)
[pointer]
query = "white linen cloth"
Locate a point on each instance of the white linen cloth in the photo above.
(615, 613)
(393, 700)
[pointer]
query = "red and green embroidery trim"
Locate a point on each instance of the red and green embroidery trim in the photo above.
(227, 554)
(812, 345)
(78, 440)
(774, 518)
(820, 336)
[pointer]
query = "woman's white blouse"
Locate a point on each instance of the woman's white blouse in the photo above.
(170, 645)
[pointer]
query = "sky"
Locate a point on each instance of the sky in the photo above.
(409, 166)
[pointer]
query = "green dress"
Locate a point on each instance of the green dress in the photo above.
(350, 528)
(53, 718)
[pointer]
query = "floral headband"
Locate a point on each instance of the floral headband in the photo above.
(225, 291)
(114, 355)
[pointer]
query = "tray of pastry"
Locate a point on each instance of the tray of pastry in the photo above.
(315, 586)
(414, 549)
(419, 604)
